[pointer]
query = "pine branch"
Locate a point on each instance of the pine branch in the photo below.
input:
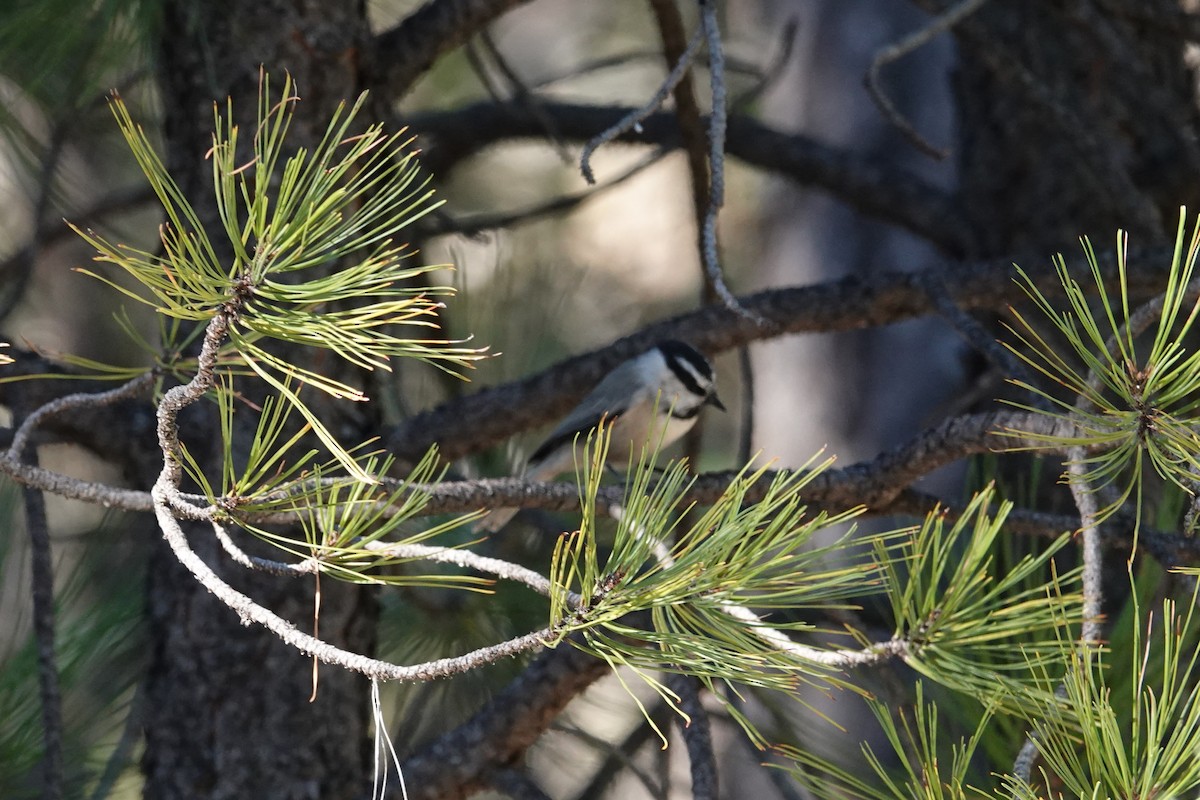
(71, 402)
(471, 423)
(881, 484)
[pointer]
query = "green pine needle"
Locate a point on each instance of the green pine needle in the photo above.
(1127, 402)
(288, 218)
(962, 619)
(687, 570)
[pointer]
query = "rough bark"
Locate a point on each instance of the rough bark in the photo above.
(228, 714)
(1076, 118)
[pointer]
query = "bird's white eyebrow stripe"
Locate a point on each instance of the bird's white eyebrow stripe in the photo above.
(686, 372)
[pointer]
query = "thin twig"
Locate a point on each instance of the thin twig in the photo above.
(472, 225)
(687, 109)
(690, 120)
(524, 97)
(771, 73)
(475, 61)
(117, 201)
(1084, 497)
(468, 560)
(99, 494)
(20, 266)
(1027, 756)
(309, 566)
(403, 53)
(1093, 555)
(1092, 585)
(632, 120)
(837, 658)
(621, 755)
(787, 789)
(983, 341)
(870, 185)
(773, 637)
(881, 484)
(709, 251)
(893, 52)
(74, 401)
(251, 611)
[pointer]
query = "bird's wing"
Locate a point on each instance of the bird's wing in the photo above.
(587, 415)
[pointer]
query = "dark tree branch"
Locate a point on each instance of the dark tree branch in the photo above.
(42, 580)
(697, 736)
(875, 187)
(459, 763)
(880, 484)
(403, 54)
(469, 424)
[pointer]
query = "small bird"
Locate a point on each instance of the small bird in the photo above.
(649, 400)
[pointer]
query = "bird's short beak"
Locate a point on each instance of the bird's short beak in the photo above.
(713, 400)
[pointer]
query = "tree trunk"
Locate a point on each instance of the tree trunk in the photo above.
(229, 713)
(1077, 117)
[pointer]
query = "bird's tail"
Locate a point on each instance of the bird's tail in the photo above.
(496, 520)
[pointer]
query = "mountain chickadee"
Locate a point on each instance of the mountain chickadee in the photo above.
(651, 399)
